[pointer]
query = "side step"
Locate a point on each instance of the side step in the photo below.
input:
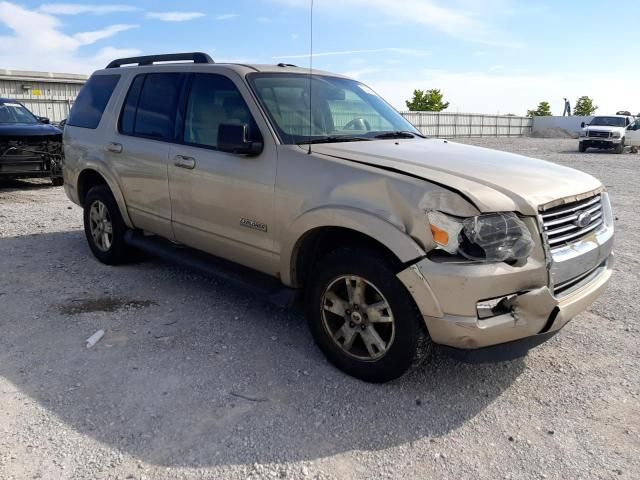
(245, 278)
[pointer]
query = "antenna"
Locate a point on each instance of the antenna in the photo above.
(310, 75)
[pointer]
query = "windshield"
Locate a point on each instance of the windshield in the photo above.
(343, 109)
(15, 113)
(608, 121)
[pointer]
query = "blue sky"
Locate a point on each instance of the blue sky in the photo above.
(485, 55)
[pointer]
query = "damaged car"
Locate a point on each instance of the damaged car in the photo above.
(396, 242)
(29, 146)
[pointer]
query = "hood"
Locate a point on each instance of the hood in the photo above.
(604, 128)
(493, 180)
(27, 130)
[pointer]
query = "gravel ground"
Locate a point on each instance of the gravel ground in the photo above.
(196, 379)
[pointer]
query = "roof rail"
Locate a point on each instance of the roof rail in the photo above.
(196, 57)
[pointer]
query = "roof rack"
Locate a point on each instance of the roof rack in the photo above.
(196, 57)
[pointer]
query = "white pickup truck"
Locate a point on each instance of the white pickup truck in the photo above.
(610, 132)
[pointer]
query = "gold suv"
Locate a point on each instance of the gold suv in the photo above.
(398, 241)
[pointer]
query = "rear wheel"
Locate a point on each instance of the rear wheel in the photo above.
(57, 181)
(620, 147)
(104, 227)
(363, 318)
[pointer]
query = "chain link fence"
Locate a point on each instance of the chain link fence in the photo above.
(445, 124)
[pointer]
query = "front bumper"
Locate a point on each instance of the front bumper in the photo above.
(447, 296)
(598, 142)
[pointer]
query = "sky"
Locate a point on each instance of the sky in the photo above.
(486, 56)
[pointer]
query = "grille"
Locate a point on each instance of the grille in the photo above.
(598, 134)
(570, 222)
(565, 288)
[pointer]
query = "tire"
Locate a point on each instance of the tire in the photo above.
(581, 147)
(115, 251)
(620, 147)
(405, 340)
(57, 181)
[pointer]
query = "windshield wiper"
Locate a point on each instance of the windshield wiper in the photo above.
(334, 139)
(398, 134)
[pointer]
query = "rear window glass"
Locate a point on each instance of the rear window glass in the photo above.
(92, 100)
(155, 113)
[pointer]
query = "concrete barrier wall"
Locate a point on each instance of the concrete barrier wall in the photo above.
(544, 126)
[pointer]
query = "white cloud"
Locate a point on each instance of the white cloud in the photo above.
(87, 38)
(78, 8)
(38, 42)
(493, 68)
(358, 74)
(174, 16)
(227, 16)
(401, 51)
(461, 20)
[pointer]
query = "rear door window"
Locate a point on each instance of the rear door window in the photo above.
(92, 100)
(150, 108)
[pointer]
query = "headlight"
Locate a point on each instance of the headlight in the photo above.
(583, 133)
(492, 237)
(615, 135)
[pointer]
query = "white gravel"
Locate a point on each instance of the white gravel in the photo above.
(195, 379)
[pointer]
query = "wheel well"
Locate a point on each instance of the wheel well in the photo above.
(318, 242)
(87, 180)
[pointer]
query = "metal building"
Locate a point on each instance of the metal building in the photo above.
(45, 94)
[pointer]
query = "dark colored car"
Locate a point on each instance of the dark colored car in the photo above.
(29, 146)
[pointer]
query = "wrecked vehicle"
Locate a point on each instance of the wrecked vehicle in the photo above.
(29, 146)
(398, 241)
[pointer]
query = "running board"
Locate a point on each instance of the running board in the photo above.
(232, 273)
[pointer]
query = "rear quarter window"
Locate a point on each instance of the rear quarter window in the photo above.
(92, 100)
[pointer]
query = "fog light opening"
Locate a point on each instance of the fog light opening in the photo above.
(495, 306)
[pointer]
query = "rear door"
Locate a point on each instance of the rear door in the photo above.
(139, 149)
(222, 203)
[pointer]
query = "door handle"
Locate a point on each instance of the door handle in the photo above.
(114, 147)
(185, 162)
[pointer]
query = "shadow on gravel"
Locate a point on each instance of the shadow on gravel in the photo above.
(24, 184)
(196, 373)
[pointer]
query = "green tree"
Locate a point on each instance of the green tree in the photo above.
(429, 101)
(584, 107)
(543, 110)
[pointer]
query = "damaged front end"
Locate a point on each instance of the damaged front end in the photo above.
(31, 157)
(505, 298)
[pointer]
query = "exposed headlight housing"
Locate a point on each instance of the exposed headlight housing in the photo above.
(491, 237)
(615, 135)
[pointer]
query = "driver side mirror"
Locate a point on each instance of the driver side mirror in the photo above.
(582, 125)
(44, 120)
(234, 138)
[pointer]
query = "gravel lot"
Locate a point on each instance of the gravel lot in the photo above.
(196, 379)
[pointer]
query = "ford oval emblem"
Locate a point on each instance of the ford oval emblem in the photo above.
(584, 219)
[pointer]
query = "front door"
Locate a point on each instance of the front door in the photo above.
(222, 203)
(633, 134)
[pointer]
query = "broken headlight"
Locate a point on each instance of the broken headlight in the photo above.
(491, 237)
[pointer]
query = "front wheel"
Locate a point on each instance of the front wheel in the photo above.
(620, 147)
(581, 147)
(104, 226)
(363, 318)
(57, 181)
